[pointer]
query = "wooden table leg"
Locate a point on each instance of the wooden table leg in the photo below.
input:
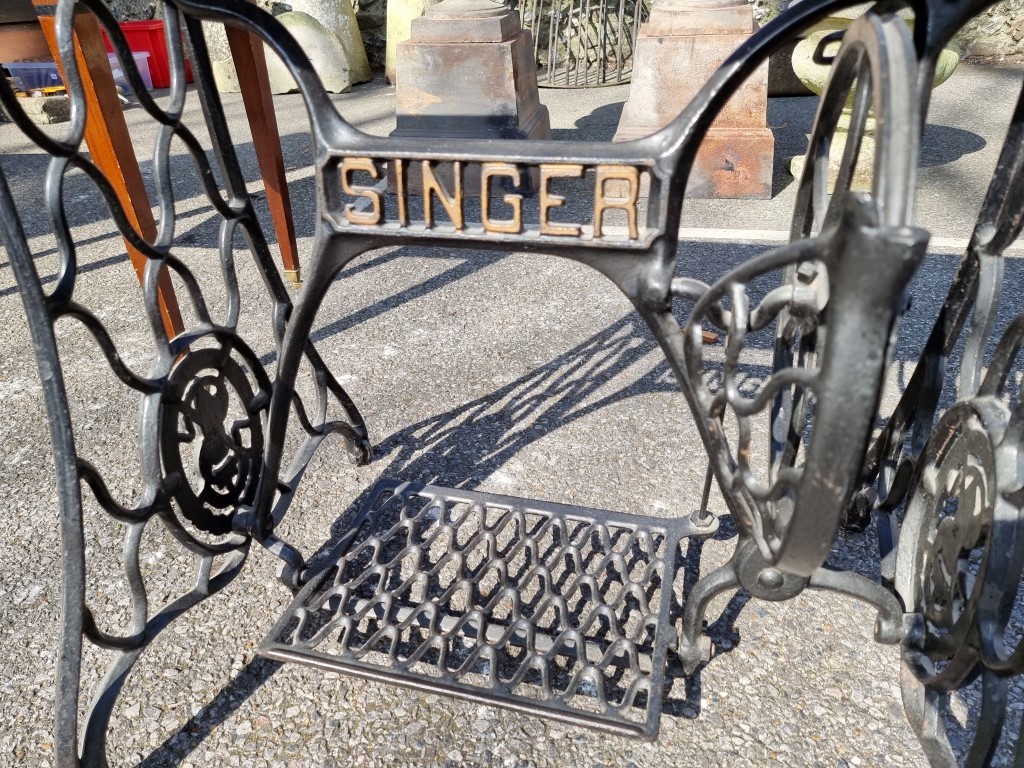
(251, 66)
(106, 134)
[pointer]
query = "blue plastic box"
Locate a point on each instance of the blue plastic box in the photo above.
(42, 73)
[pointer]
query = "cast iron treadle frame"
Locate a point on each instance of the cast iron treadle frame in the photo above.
(492, 598)
(224, 438)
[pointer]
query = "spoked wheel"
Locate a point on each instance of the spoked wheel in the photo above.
(958, 567)
(870, 88)
(843, 277)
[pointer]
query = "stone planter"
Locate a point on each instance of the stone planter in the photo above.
(815, 76)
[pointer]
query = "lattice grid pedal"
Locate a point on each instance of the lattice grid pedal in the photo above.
(537, 607)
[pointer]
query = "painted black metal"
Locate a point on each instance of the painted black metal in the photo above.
(832, 321)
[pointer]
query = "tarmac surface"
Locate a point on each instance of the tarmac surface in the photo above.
(519, 374)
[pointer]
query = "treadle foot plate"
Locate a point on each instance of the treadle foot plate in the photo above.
(542, 608)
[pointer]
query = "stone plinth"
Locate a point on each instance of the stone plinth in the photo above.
(468, 72)
(677, 51)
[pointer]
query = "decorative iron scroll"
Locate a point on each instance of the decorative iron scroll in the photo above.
(215, 418)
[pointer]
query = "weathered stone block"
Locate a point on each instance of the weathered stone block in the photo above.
(324, 50)
(997, 31)
(451, 84)
(47, 109)
(339, 18)
(731, 164)
(670, 72)
(675, 57)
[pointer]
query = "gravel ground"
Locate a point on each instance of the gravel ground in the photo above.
(470, 373)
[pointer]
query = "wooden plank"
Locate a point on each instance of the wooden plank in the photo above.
(251, 65)
(106, 134)
(23, 41)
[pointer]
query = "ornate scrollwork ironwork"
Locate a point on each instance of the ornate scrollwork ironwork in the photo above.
(960, 562)
(825, 316)
(214, 417)
(211, 433)
(204, 401)
(870, 78)
(943, 557)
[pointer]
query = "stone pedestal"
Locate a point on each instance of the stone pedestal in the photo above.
(468, 72)
(677, 51)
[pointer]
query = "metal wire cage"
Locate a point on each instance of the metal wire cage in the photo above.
(583, 43)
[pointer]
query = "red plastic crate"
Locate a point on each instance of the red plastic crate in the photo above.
(149, 36)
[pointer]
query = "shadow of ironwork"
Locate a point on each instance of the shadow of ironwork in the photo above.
(193, 732)
(463, 446)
